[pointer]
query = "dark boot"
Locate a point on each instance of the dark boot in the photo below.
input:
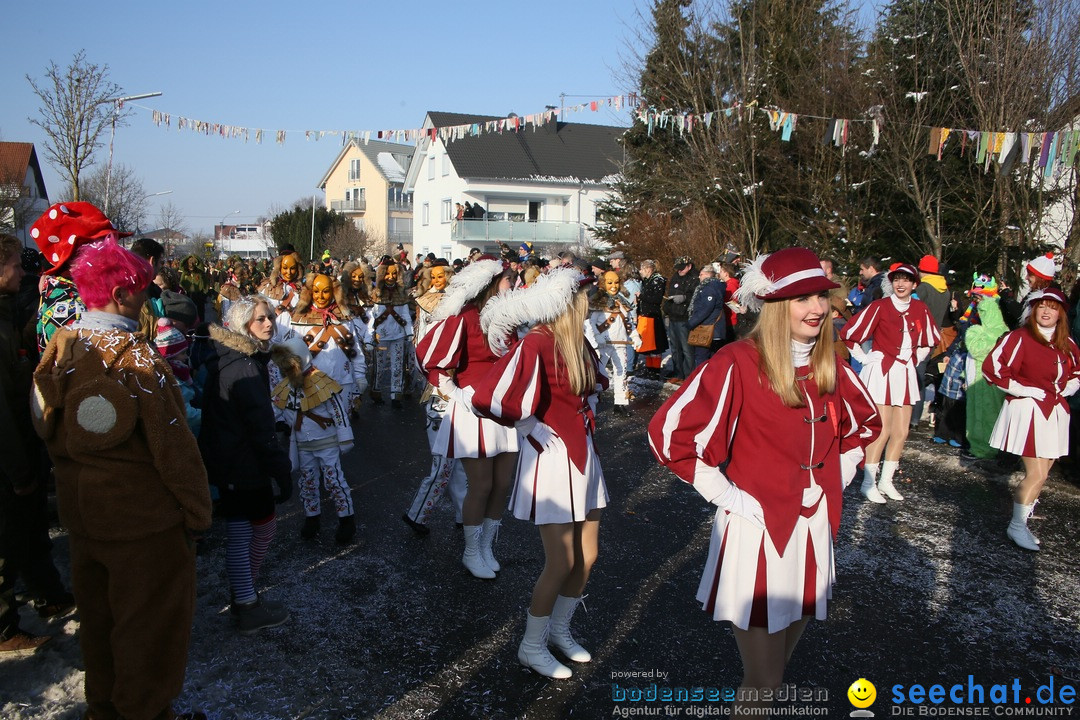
(346, 530)
(418, 528)
(311, 527)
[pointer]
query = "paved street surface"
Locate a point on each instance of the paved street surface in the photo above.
(929, 591)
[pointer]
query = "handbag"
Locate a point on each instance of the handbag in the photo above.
(702, 336)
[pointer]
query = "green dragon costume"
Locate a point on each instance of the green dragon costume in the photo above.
(983, 399)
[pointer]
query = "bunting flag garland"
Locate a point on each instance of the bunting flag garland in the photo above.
(447, 134)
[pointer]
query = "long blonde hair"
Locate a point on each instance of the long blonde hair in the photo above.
(569, 332)
(772, 336)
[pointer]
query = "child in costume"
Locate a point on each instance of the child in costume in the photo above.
(311, 402)
(611, 329)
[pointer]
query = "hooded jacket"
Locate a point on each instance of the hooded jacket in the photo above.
(238, 441)
(111, 414)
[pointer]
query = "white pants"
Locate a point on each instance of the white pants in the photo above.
(447, 474)
(326, 464)
(616, 355)
(390, 366)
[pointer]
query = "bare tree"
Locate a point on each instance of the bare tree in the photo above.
(127, 196)
(346, 240)
(171, 223)
(74, 111)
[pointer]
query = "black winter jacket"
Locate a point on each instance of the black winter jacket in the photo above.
(707, 307)
(238, 443)
(680, 291)
(652, 296)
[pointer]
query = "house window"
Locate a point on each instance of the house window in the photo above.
(431, 167)
(354, 169)
(424, 211)
(447, 211)
(445, 164)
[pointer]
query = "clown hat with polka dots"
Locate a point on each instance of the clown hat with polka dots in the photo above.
(66, 226)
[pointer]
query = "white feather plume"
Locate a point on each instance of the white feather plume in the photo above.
(543, 301)
(754, 282)
(466, 285)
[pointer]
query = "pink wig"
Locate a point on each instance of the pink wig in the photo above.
(103, 265)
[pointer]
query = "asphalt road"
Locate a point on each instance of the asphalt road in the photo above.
(929, 591)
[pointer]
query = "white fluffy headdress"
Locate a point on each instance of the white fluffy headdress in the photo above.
(541, 302)
(466, 285)
(753, 282)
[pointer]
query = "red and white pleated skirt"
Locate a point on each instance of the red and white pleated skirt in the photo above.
(1022, 430)
(897, 387)
(749, 583)
(550, 489)
(465, 435)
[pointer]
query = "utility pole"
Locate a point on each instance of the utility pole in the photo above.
(118, 106)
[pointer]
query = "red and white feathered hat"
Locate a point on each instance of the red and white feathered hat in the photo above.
(1038, 296)
(542, 302)
(467, 284)
(64, 227)
(1043, 267)
(788, 273)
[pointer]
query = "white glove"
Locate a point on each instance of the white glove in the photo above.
(460, 395)
(1017, 390)
(717, 489)
(540, 435)
(849, 465)
(1071, 387)
(921, 353)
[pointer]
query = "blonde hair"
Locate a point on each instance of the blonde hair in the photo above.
(772, 337)
(569, 332)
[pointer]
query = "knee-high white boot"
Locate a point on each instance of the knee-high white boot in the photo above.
(487, 537)
(885, 483)
(472, 559)
(533, 652)
(559, 632)
(869, 484)
(1018, 530)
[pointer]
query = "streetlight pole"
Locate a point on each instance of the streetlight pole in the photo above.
(118, 104)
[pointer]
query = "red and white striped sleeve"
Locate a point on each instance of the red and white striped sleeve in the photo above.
(697, 423)
(999, 364)
(440, 350)
(510, 392)
(861, 327)
(930, 335)
(860, 423)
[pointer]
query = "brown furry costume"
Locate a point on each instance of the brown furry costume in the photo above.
(274, 287)
(389, 296)
(334, 323)
(357, 300)
(130, 484)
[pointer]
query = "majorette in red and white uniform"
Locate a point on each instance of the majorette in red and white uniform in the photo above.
(903, 334)
(563, 482)
(456, 344)
(1037, 378)
(726, 412)
(778, 499)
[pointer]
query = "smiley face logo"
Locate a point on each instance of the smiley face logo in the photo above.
(862, 693)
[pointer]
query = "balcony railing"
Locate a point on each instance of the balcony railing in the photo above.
(507, 230)
(359, 205)
(399, 206)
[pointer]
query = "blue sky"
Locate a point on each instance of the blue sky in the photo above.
(275, 65)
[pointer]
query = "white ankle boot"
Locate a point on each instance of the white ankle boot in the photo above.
(533, 652)
(1018, 530)
(491, 529)
(472, 559)
(885, 484)
(559, 631)
(869, 485)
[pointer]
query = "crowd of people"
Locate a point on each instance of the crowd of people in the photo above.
(107, 361)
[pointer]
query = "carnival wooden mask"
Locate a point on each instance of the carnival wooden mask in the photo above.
(391, 277)
(290, 268)
(438, 277)
(612, 283)
(322, 291)
(357, 278)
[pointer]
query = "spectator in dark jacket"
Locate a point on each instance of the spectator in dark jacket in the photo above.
(241, 452)
(677, 311)
(872, 274)
(707, 308)
(650, 315)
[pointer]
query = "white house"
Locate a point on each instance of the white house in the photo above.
(535, 184)
(22, 190)
(252, 240)
(1057, 221)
